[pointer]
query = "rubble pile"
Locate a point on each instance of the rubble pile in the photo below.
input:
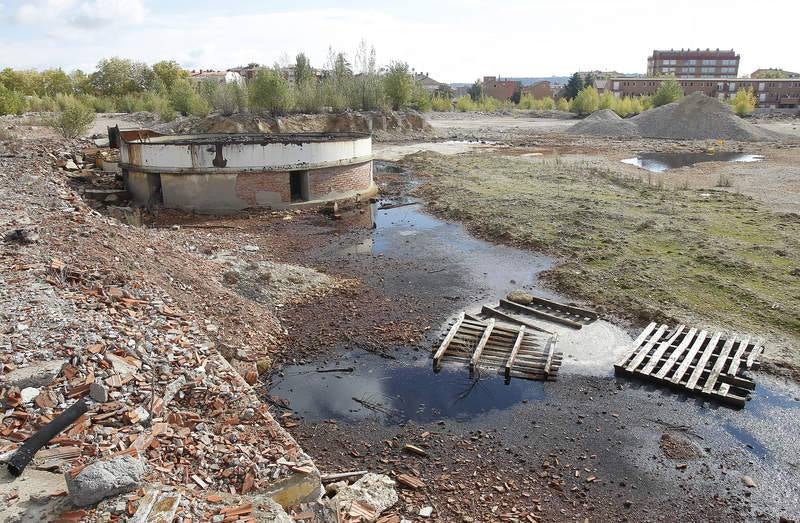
(119, 316)
(605, 122)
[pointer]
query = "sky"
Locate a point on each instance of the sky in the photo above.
(452, 40)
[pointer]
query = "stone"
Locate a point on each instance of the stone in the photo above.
(103, 479)
(120, 365)
(36, 375)
(264, 365)
(98, 392)
(71, 165)
(251, 248)
(521, 297)
(748, 481)
(426, 512)
(376, 490)
(28, 394)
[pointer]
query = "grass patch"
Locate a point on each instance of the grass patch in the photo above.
(638, 249)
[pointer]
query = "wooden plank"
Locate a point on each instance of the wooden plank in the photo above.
(687, 339)
(698, 342)
(733, 369)
(513, 319)
(701, 363)
(473, 321)
(636, 343)
(585, 313)
(722, 359)
(645, 350)
(446, 342)
(514, 350)
(479, 348)
(757, 349)
(551, 349)
(543, 315)
(656, 356)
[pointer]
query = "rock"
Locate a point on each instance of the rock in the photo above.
(98, 392)
(101, 142)
(251, 248)
(36, 375)
(748, 481)
(264, 365)
(21, 236)
(375, 490)
(28, 394)
(120, 365)
(521, 297)
(70, 165)
(426, 512)
(103, 479)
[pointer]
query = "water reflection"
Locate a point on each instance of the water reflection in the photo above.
(660, 162)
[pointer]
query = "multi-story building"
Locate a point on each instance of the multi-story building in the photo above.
(773, 73)
(770, 93)
(694, 63)
(500, 89)
(539, 90)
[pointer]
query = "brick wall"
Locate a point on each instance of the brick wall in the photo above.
(258, 189)
(344, 179)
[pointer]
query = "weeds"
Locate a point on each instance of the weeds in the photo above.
(74, 119)
(724, 181)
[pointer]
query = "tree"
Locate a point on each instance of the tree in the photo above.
(270, 91)
(517, 95)
(398, 85)
(744, 102)
(120, 76)
(669, 91)
(186, 100)
(168, 71)
(589, 80)
(11, 102)
(303, 72)
(574, 86)
(475, 91)
(80, 82)
(586, 102)
(562, 105)
(55, 81)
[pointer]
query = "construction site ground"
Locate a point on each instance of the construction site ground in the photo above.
(499, 206)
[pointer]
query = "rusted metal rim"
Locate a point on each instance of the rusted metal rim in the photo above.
(250, 138)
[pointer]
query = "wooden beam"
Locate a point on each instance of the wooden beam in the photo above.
(757, 349)
(513, 319)
(479, 348)
(733, 369)
(701, 363)
(722, 358)
(560, 306)
(550, 351)
(446, 342)
(698, 342)
(540, 314)
(687, 339)
(656, 356)
(514, 350)
(636, 343)
(645, 350)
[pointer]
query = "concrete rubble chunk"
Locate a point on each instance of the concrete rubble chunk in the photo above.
(426, 512)
(98, 392)
(36, 375)
(376, 491)
(103, 479)
(28, 394)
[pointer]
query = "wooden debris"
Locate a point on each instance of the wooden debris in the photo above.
(410, 481)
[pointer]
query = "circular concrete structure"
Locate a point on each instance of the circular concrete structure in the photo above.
(218, 173)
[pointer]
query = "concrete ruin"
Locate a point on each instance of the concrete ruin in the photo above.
(223, 173)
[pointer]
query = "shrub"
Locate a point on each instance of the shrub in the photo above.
(420, 98)
(308, 96)
(586, 102)
(42, 104)
(159, 104)
(11, 102)
(100, 104)
(744, 102)
(562, 105)
(398, 84)
(465, 104)
(441, 104)
(270, 91)
(186, 100)
(73, 120)
(545, 104)
(607, 101)
(669, 91)
(527, 101)
(127, 104)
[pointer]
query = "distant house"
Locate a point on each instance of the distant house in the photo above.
(428, 83)
(539, 90)
(227, 77)
(773, 73)
(500, 89)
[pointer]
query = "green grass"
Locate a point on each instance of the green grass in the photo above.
(645, 252)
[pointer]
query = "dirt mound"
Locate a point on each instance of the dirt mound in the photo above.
(367, 122)
(698, 117)
(604, 122)
(694, 117)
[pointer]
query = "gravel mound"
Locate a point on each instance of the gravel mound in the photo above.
(604, 122)
(694, 117)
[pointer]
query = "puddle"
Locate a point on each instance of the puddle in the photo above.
(660, 162)
(750, 442)
(395, 392)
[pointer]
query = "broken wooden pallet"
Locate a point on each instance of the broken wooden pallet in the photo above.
(695, 361)
(514, 352)
(542, 310)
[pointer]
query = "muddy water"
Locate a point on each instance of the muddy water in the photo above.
(660, 162)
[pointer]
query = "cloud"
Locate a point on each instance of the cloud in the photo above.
(83, 14)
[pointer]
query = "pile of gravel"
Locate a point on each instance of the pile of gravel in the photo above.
(604, 122)
(694, 117)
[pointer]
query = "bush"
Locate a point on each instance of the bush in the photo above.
(562, 105)
(441, 104)
(607, 101)
(11, 102)
(186, 100)
(545, 104)
(127, 104)
(270, 91)
(308, 97)
(465, 104)
(159, 104)
(398, 84)
(527, 101)
(100, 104)
(420, 99)
(669, 91)
(586, 102)
(74, 119)
(744, 102)
(42, 104)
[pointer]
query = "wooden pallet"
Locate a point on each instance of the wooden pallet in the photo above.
(512, 351)
(695, 361)
(542, 310)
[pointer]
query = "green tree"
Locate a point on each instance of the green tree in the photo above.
(586, 102)
(303, 72)
(606, 101)
(119, 76)
(270, 91)
(744, 102)
(589, 81)
(475, 91)
(669, 91)
(80, 82)
(11, 102)
(186, 99)
(55, 81)
(562, 104)
(168, 71)
(398, 85)
(574, 86)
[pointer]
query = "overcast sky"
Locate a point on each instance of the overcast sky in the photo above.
(454, 41)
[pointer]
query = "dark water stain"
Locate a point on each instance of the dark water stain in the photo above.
(659, 162)
(395, 392)
(751, 443)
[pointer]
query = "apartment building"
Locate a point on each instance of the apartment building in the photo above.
(770, 93)
(694, 63)
(500, 89)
